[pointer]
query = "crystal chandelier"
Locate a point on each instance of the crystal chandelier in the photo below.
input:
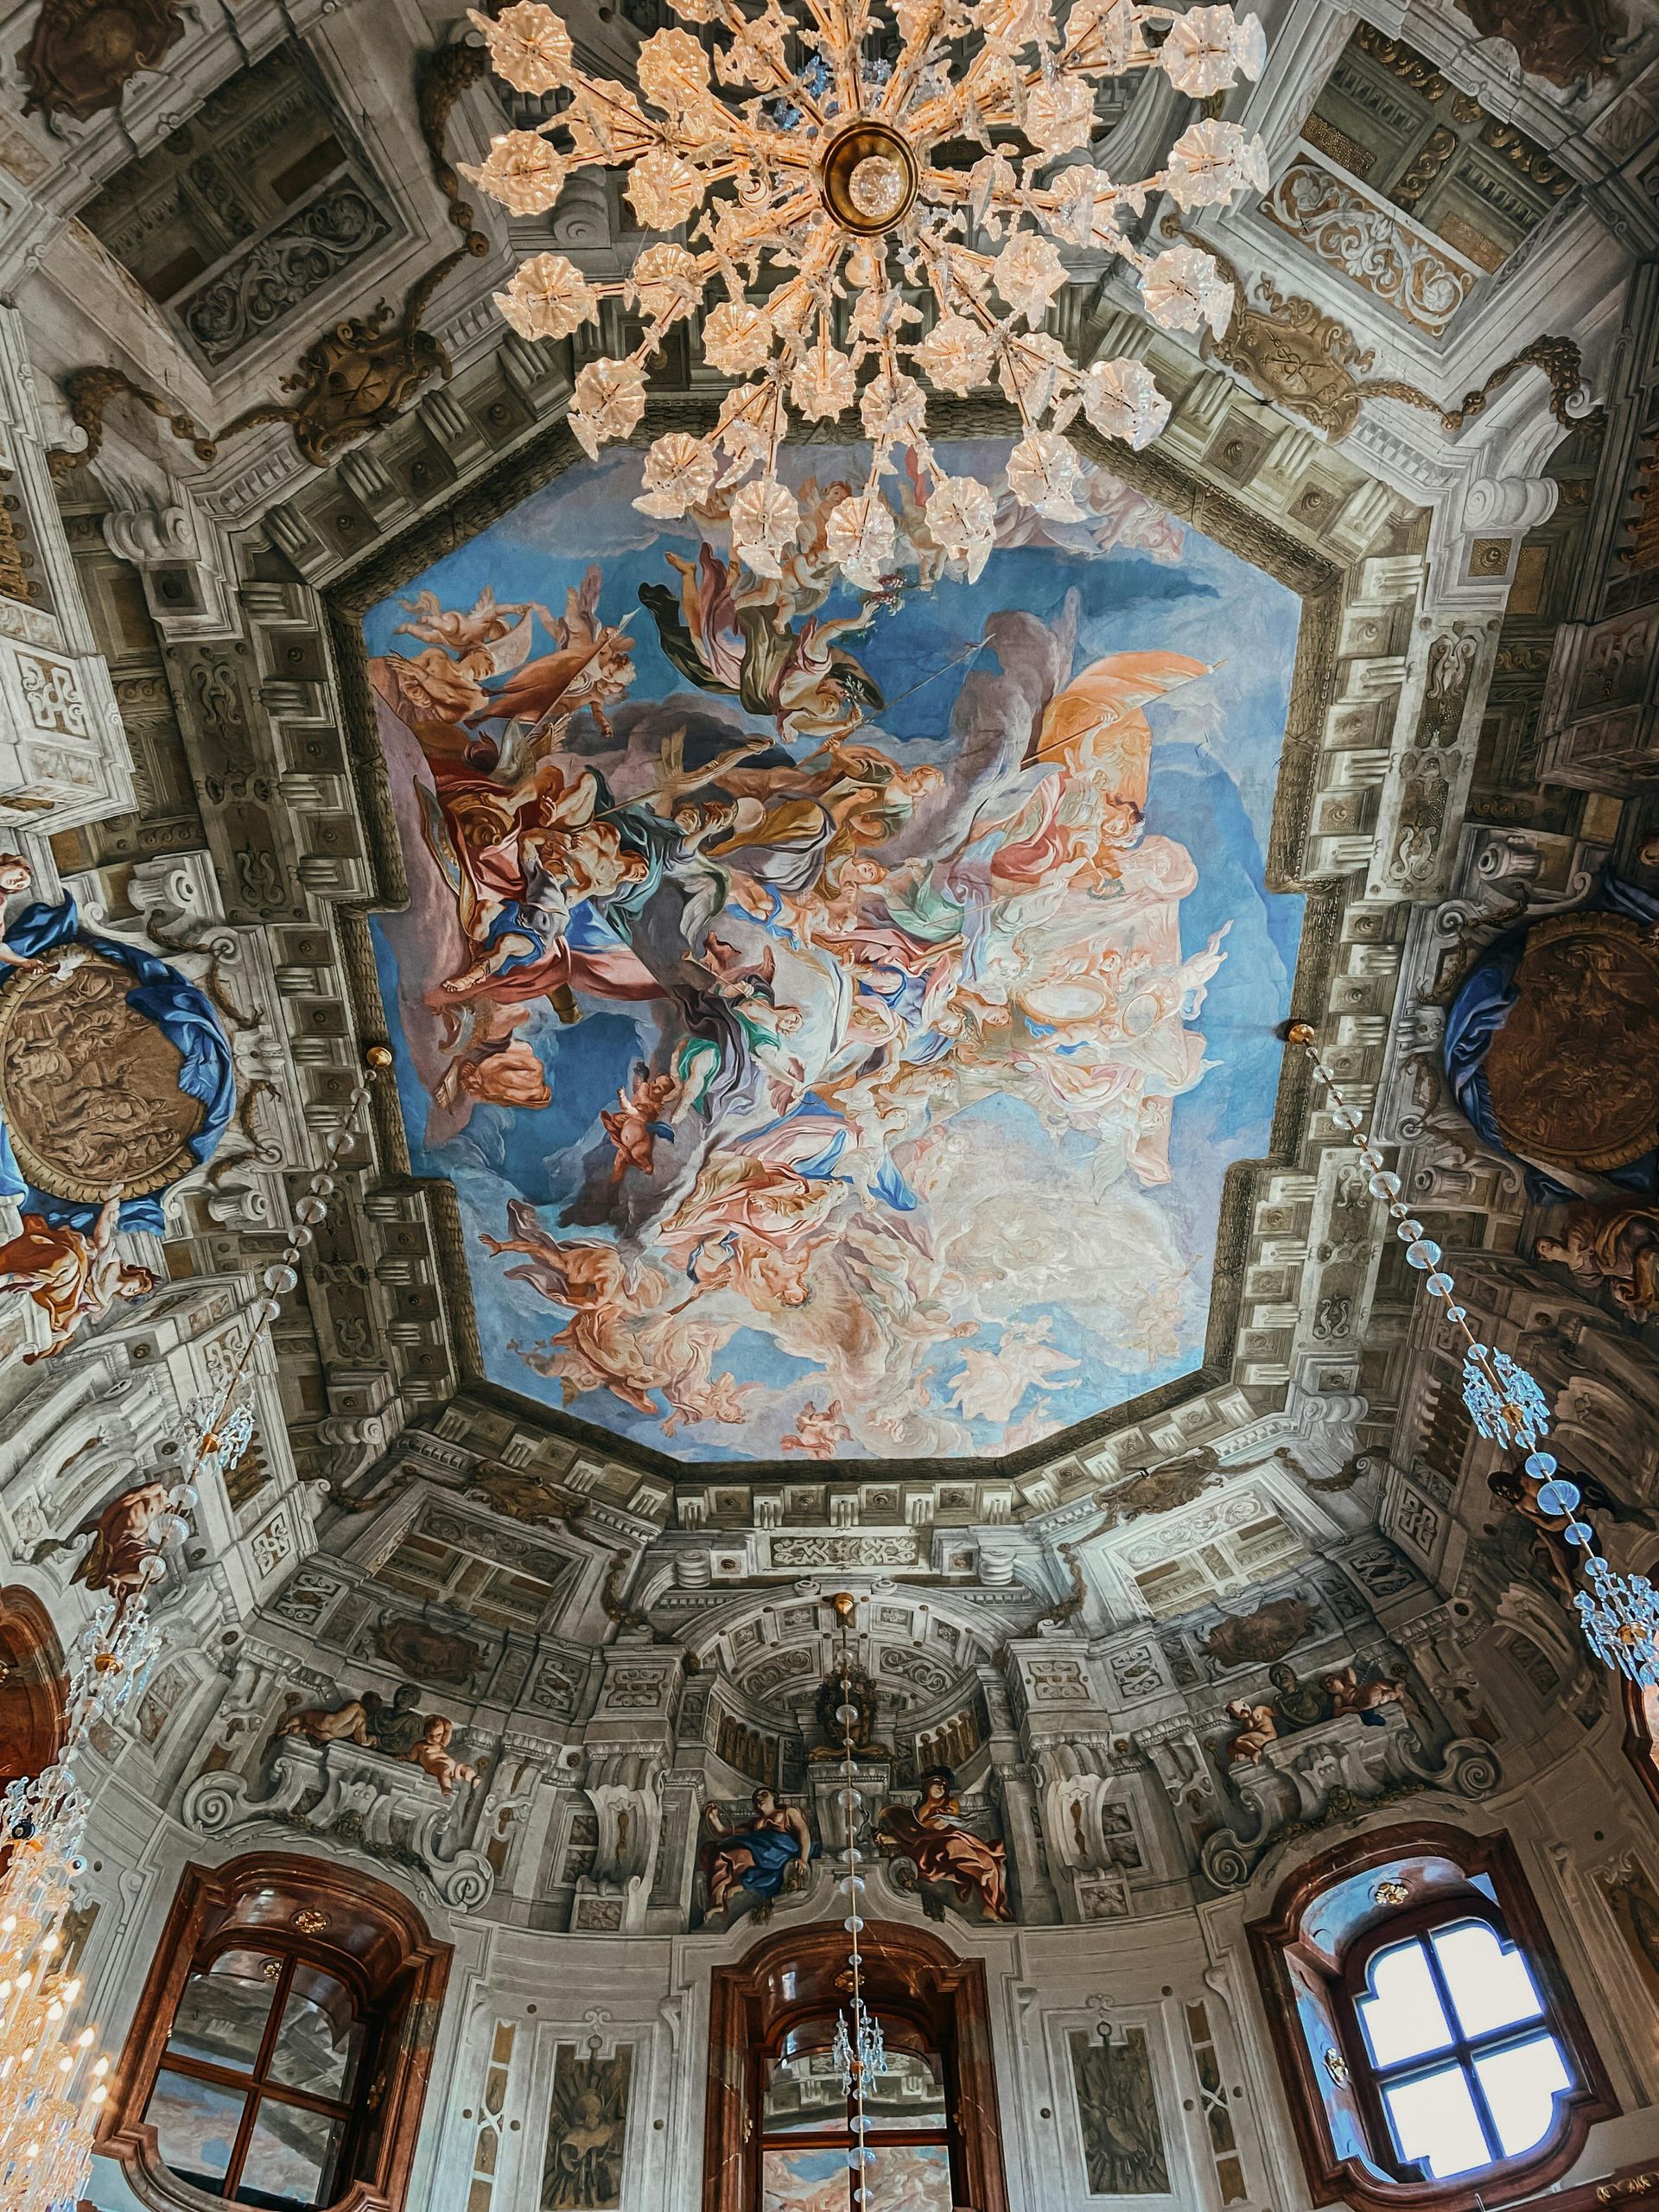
(858, 2050)
(1618, 1613)
(52, 2088)
(860, 163)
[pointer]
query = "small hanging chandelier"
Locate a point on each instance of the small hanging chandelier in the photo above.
(1618, 1613)
(864, 161)
(858, 2049)
(52, 2087)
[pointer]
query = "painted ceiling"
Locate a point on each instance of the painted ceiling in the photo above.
(836, 1017)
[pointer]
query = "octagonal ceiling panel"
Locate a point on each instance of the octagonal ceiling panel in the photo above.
(836, 1021)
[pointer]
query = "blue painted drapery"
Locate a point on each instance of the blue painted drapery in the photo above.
(1480, 1010)
(184, 1017)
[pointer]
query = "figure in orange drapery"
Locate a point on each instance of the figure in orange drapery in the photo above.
(933, 1837)
(1095, 728)
(122, 1553)
(71, 1275)
(1614, 1247)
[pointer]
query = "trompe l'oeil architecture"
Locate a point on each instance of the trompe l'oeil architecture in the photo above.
(828, 1107)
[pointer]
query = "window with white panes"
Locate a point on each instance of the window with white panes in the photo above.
(1462, 2065)
(1431, 2040)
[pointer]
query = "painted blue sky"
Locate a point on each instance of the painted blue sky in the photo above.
(1029, 1257)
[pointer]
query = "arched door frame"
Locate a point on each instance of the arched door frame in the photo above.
(32, 1717)
(797, 1972)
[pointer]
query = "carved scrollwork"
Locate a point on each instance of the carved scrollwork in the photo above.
(357, 1799)
(1343, 1768)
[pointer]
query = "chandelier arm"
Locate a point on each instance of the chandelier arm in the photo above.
(998, 331)
(623, 102)
(849, 80)
(984, 64)
(780, 418)
(732, 18)
(913, 57)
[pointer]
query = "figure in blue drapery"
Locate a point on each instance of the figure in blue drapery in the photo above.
(1484, 1001)
(184, 1017)
(766, 1856)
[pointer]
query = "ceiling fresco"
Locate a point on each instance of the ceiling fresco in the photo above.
(835, 1016)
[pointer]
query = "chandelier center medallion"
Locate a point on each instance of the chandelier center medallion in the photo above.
(868, 178)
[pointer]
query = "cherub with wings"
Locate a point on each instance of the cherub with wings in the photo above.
(818, 1432)
(591, 666)
(489, 640)
(639, 1117)
(461, 652)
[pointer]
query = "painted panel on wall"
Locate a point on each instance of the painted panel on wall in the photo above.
(586, 2131)
(903, 2177)
(1117, 2109)
(836, 1016)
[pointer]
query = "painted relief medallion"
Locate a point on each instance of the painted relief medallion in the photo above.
(1572, 1072)
(90, 1087)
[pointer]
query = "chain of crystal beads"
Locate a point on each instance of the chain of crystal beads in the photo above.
(1619, 1614)
(859, 2049)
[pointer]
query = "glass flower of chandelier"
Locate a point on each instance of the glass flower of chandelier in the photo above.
(1618, 1613)
(825, 177)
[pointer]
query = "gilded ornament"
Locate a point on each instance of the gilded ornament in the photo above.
(1572, 1072)
(359, 374)
(89, 1086)
(82, 53)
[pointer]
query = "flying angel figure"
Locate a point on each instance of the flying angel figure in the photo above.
(590, 666)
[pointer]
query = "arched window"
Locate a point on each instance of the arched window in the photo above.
(1641, 1735)
(1431, 2046)
(806, 2121)
(778, 2131)
(1460, 2064)
(31, 1685)
(281, 2047)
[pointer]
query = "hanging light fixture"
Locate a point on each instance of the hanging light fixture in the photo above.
(858, 2049)
(1618, 1613)
(51, 2086)
(856, 160)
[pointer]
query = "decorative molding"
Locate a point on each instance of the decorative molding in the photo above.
(359, 374)
(276, 275)
(1560, 362)
(357, 1800)
(1365, 241)
(355, 377)
(87, 393)
(443, 76)
(1337, 1770)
